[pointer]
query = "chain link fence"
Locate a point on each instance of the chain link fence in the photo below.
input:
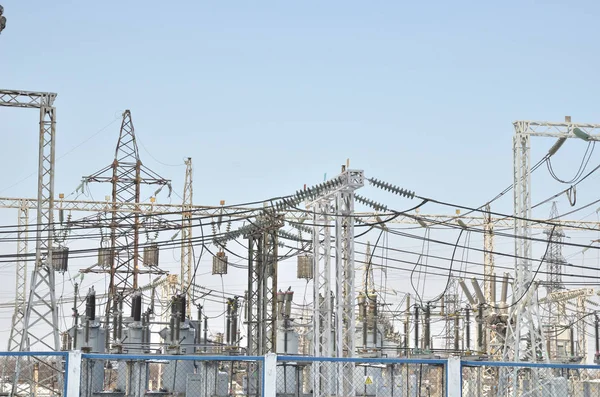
(300, 376)
(32, 374)
(529, 380)
(210, 376)
(51, 374)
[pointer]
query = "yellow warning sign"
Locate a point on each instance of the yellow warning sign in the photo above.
(368, 380)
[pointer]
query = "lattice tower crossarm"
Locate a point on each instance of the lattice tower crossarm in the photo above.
(153, 208)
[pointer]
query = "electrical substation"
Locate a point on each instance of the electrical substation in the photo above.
(346, 287)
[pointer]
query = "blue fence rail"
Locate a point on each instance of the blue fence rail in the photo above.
(44, 374)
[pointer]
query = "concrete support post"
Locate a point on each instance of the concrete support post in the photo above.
(270, 375)
(454, 377)
(73, 373)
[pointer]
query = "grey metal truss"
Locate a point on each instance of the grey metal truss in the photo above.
(323, 379)
(555, 311)
(261, 305)
(149, 208)
(186, 237)
(16, 331)
(334, 203)
(39, 326)
(126, 174)
(26, 99)
(554, 259)
(525, 339)
(492, 342)
(452, 309)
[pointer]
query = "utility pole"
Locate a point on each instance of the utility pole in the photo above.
(186, 237)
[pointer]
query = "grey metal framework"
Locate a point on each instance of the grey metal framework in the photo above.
(16, 331)
(554, 259)
(126, 174)
(452, 316)
(555, 311)
(335, 203)
(154, 208)
(186, 236)
(261, 304)
(39, 325)
(262, 284)
(37, 328)
(524, 323)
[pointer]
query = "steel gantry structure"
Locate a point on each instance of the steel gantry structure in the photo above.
(524, 320)
(335, 203)
(37, 327)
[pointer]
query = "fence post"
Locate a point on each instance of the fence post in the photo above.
(453, 377)
(270, 375)
(73, 373)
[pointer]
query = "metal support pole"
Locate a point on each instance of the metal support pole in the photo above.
(186, 236)
(416, 327)
(468, 328)
(16, 330)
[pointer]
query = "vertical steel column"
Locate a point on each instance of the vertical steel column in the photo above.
(322, 308)
(16, 331)
(186, 237)
(490, 336)
(42, 311)
(40, 323)
(345, 319)
(523, 316)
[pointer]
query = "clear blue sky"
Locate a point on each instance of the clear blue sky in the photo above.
(271, 95)
(268, 96)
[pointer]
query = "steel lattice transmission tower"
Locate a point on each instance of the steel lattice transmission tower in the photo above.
(126, 174)
(186, 237)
